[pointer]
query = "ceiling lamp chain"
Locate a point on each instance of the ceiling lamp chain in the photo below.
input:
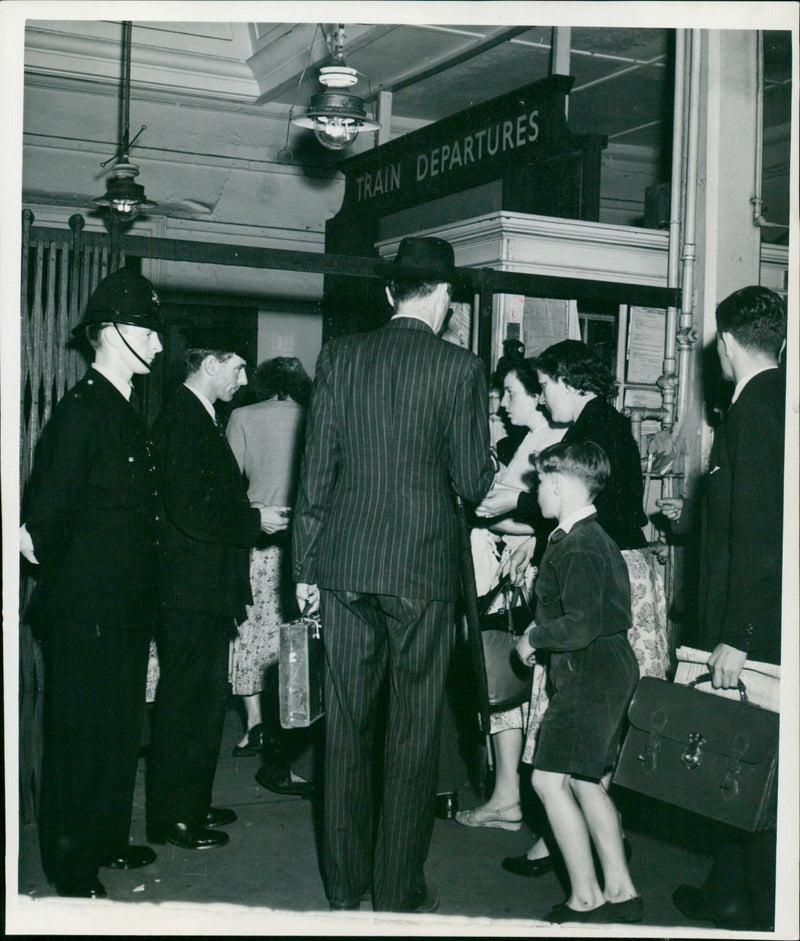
(336, 116)
(123, 197)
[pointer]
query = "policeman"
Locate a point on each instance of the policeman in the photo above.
(89, 526)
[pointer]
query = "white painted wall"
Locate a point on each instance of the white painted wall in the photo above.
(290, 334)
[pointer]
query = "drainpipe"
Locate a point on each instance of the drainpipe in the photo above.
(758, 218)
(668, 382)
(687, 335)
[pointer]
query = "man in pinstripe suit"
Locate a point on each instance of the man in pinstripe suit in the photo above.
(398, 423)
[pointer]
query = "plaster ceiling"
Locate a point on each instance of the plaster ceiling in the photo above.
(255, 74)
(622, 77)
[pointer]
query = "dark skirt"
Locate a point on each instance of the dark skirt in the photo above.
(591, 688)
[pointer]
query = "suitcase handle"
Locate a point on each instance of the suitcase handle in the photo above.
(706, 678)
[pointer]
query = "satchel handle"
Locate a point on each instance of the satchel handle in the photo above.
(706, 678)
(486, 600)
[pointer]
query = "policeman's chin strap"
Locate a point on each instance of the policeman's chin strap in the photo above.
(132, 350)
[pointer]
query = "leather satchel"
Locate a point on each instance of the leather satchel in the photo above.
(710, 755)
(301, 673)
(508, 679)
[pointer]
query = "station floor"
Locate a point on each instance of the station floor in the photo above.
(266, 881)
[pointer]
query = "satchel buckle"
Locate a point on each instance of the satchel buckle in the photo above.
(692, 756)
(730, 783)
(650, 757)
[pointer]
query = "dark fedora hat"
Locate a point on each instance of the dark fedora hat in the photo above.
(429, 258)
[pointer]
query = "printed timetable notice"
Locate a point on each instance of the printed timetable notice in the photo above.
(645, 344)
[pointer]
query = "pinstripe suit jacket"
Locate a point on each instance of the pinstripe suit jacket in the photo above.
(398, 421)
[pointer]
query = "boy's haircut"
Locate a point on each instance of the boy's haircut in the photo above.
(755, 317)
(579, 367)
(585, 460)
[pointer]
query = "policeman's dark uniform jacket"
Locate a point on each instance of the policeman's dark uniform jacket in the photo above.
(90, 510)
(207, 529)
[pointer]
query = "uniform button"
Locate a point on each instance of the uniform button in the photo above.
(158, 519)
(130, 460)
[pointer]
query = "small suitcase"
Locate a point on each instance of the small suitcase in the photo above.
(301, 673)
(713, 756)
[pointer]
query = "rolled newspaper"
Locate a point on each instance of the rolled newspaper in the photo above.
(762, 680)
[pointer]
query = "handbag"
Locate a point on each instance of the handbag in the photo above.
(713, 756)
(301, 673)
(508, 679)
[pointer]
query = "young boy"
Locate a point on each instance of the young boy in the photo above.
(583, 613)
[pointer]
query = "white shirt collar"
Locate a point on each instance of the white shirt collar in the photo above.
(743, 382)
(205, 402)
(567, 524)
(123, 387)
(418, 317)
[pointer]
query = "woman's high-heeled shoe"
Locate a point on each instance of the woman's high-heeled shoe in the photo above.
(504, 818)
(256, 739)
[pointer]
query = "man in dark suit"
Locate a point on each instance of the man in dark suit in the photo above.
(207, 529)
(89, 514)
(398, 424)
(741, 560)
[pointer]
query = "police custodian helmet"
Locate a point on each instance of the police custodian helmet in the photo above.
(123, 297)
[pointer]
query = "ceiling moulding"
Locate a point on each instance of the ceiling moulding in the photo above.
(180, 72)
(559, 247)
(98, 150)
(161, 95)
(51, 214)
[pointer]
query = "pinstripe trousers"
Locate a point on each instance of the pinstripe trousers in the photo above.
(377, 833)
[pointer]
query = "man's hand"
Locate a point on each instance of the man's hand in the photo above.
(26, 545)
(498, 500)
(307, 598)
(725, 665)
(274, 519)
(525, 651)
(520, 560)
(671, 507)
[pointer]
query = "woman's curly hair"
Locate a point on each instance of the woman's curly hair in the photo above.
(579, 367)
(283, 377)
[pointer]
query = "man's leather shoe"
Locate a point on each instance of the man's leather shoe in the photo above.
(531, 868)
(446, 806)
(220, 817)
(692, 903)
(188, 837)
(279, 781)
(428, 903)
(344, 906)
(132, 857)
(91, 890)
